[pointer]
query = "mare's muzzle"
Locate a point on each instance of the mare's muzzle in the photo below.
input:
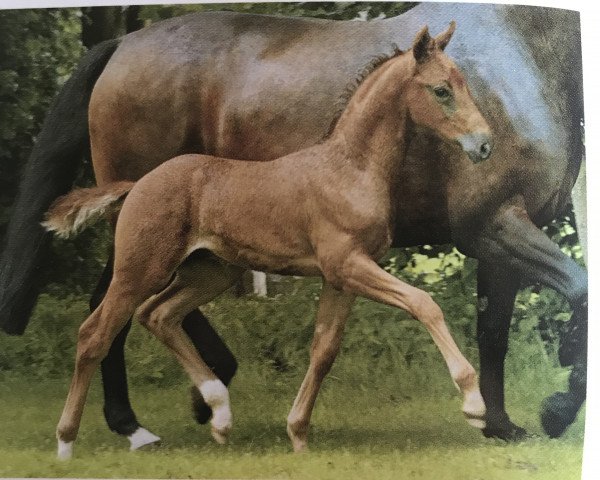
(477, 145)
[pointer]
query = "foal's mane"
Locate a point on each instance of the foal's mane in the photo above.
(353, 85)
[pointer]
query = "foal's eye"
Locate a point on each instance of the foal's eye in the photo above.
(442, 93)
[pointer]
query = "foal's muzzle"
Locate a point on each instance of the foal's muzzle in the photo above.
(477, 145)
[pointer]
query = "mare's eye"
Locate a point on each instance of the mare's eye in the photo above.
(442, 93)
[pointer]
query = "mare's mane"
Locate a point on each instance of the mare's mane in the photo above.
(353, 85)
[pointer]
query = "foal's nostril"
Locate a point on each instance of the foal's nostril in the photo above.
(485, 150)
(478, 145)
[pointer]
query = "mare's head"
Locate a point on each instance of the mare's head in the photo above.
(438, 97)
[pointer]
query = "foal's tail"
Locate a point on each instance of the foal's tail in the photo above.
(70, 214)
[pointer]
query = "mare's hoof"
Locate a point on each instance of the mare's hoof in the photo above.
(142, 438)
(558, 412)
(503, 429)
(202, 412)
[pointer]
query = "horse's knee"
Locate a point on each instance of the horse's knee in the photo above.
(425, 309)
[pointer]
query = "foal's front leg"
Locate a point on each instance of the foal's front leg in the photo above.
(360, 275)
(334, 308)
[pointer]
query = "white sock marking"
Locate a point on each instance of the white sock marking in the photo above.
(259, 283)
(65, 450)
(216, 395)
(141, 437)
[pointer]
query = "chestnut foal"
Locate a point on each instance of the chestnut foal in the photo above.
(188, 229)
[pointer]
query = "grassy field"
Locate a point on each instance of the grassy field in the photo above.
(359, 431)
(387, 410)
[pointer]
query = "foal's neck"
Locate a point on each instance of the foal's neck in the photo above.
(374, 128)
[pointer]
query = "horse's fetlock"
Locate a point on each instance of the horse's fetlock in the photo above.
(67, 432)
(215, 393)
(297, 426)
(466, 378)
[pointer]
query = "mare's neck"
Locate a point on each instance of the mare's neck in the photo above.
(374, 128)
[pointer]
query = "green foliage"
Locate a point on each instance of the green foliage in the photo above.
(371, 433)
(327, 10)
(48, 347)
(38, 50)
(563, 231)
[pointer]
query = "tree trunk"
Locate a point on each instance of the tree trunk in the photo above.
(101, 23)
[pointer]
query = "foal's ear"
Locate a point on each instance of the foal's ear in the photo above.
(423, 45)
(443, 38)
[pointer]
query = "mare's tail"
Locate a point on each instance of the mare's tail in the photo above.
(70, 214)
(52, 167)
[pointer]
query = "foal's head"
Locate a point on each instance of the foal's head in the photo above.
(437, 97)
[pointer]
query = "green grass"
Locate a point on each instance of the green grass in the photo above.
(387, 410)
(365, 429)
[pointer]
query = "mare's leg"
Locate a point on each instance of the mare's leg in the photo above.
(95, 337)
(512, 240)
(214, 352)
(496, 291)
(197, 281)
(334, 308)
(118, 413)
(360, 275)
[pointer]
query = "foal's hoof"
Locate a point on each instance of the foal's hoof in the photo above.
(221, 423)
(298, 436)
(65, 450)
(558, 412)
(220, 435)
(142, 438)
(299, 446)
(474, 409)
(202, 412)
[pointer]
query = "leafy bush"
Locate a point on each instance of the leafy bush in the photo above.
(273, 335)
(48, 347)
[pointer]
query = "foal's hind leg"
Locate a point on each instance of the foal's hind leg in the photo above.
(334, 308)
(95, 337)
(360, 275)
(196, 282)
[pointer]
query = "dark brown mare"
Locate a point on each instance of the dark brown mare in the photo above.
(326, 210)
(249, 87)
